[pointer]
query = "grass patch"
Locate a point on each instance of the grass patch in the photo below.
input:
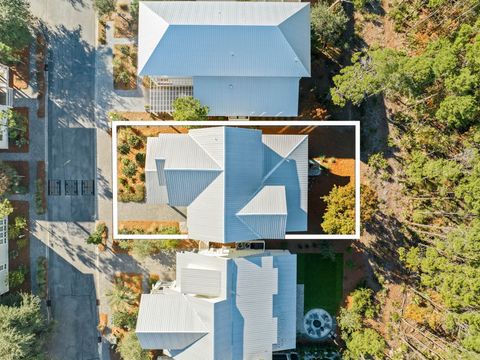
(323, 280)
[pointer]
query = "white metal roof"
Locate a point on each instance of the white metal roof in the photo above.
(248, 96)
(224, 38)
(201, 282)
(180, 325)
(262, 178)
(254, 314)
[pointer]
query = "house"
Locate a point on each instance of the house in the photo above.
(225, 304)
(237, 184)
(4, 255)
(6, 102)
(239, 58)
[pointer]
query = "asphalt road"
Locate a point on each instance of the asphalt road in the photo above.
(70, 25)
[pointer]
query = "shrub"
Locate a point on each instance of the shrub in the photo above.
(104, 7)
(39, 206)
(17, 277)
(378, 162)
(129, 169)
(6, 208)
(134, 140)
(97, 236)
(138, 194)
(16, 228)
(142, 176)
(42, 276)
(123, 181)
(123, 148)
(115, 116)
(124, 319)
(17, 126)
(140, 158)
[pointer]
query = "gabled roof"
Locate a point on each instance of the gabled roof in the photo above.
(252, 315)
(256, 187)
(180, 326)
(218, 38)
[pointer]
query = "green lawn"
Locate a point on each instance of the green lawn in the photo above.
(323, 280)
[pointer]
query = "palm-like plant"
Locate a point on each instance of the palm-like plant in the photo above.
(121, 297)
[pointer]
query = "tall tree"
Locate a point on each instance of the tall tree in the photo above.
(328, 24)
(23, 329)
(15, 20)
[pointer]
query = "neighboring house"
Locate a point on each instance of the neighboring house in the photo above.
(6, 102)
(4, 255)
(237, 184)
(238, 58)
(224, 305)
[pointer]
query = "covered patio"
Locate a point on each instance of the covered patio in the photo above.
(164, 91)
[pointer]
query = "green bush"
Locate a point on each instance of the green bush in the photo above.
(42, 276)
(142, 176)
(104, 7)
(123, 181)
(123, 148)
(189, 108)
(134, 140)
(96, 237)
(124, 319)
(39, 196)
(137, 195)
(140, 158)
(129, 168)
(17, 277)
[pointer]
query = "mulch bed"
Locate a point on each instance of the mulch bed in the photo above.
(40, 73)
(128, 64)
(41, 175)
(20, 208)
(20, 74)
(22, 170)
(121, 19)
(12, 148)
(147, 226)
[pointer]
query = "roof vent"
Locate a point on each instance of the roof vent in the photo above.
(230, 86)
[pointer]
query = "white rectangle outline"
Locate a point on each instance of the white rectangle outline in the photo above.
(356, 124)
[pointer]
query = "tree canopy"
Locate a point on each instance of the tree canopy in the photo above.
(189, 108)
(23, 329)
(328, 24)
(15, 20)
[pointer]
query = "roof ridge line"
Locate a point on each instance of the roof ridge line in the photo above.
(288, 42)
(206, 152)
(265, 178)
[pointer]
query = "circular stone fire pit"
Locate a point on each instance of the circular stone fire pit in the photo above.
(318, 324)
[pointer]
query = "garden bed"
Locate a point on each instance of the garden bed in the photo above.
(40, 73)
(124, 26)
(22, 170)
(19, 247)
(40, 196)
(125, 67)
(12, 147)
(133, 281)
(148, 227)
(20, 72)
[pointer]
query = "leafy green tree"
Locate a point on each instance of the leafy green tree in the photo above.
(6, 208)
(15, 20)
(23, 329)
(104, 7)
(328, 24)
(365, 344)
(339, 217)
(189, 108)
(129, 348)
(349, 321)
